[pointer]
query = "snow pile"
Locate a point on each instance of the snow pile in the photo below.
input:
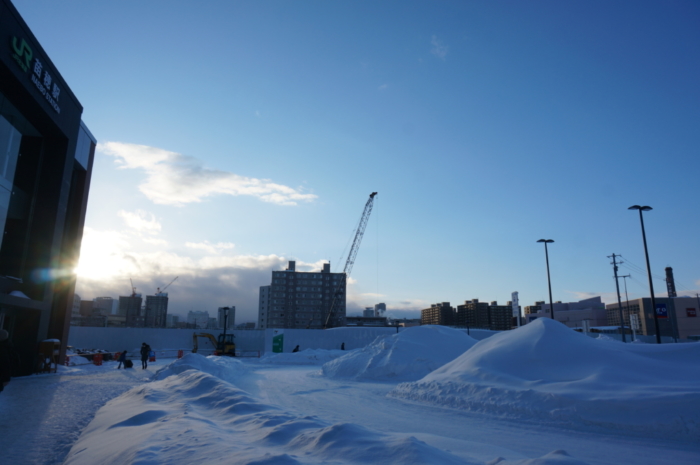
(545, 370)
(194, 417)
(225, 368)
(73, 360)
(303, 357)
(406, 356)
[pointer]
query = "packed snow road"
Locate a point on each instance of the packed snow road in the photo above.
(539, 395)
(484, 437)
(43, 415)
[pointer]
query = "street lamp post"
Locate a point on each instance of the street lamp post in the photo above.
(549, 281)
(225, 309)
(646, 253)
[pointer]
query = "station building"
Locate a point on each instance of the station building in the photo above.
(46, 156)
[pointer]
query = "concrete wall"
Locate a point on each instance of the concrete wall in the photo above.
(160, 339)
(168, 341)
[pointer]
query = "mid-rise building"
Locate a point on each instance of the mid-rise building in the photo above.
(46, 158)
(105, 305)
(405, 322)
(156, 310)
(573, 314)
(475, 314)
(230, 319)
(264, 306)
(75, 311)
(368, 312)
(171, 321)
(366, 320)
(296, 299)
(534, 308)
(130, 308)
(680, 318)
(380, 309)
(198, 319)
(438, 314)
(86, 307)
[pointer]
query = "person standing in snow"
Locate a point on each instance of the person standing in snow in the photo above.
(145, 351)
(342, 346)
(4, 359)
(122, 359)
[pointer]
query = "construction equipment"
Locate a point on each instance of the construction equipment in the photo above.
(223, 346)
(158, 290)
(359, 232)
(133, 289)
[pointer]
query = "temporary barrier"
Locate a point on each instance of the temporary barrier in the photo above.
(180, 353)
(66, 362)
(97, 359)
(151, 356)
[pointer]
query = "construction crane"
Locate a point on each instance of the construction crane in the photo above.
(360, 231)
(158, 290)
(133, 289)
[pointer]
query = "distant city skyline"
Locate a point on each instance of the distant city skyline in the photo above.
(236, 136)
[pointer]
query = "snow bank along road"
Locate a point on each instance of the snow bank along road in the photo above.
(399, 400)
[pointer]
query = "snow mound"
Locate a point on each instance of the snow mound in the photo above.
(545, 370)
(77, 360)
(225, 368)
(304, 357)
(194, 417)
(406, 356)
(557, 457)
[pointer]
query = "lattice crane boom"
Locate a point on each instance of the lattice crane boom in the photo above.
(167, 286)
(359, 233)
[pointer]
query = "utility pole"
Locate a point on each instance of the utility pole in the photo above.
(619, 302)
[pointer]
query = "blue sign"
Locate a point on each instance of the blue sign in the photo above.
(661, 311)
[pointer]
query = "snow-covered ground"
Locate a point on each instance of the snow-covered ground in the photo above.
(537, 395)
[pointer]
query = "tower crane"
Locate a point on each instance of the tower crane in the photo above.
(351, 259)
(133, 289)
(158, 290)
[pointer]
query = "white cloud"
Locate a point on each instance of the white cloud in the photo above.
(439, 49)
(176, 179)
(141, 221)
(383, 87)
(154, 241)
(209, 247)
(108, 259)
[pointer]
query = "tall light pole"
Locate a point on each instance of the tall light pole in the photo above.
(549, 281)
(225, 309)
(627, 300)
(641, 209)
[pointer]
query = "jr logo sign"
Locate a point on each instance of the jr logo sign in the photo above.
(661, 311)
(23, 53)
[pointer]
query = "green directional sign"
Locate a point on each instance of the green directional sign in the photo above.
(278, 342)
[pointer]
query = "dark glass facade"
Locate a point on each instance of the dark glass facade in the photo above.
(46, 156)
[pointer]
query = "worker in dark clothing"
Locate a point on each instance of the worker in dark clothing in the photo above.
(122, 359)
(4, 359)
(296, 349)
(342, 346)
(145, 351)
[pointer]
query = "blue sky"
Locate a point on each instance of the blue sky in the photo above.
(238, 135)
